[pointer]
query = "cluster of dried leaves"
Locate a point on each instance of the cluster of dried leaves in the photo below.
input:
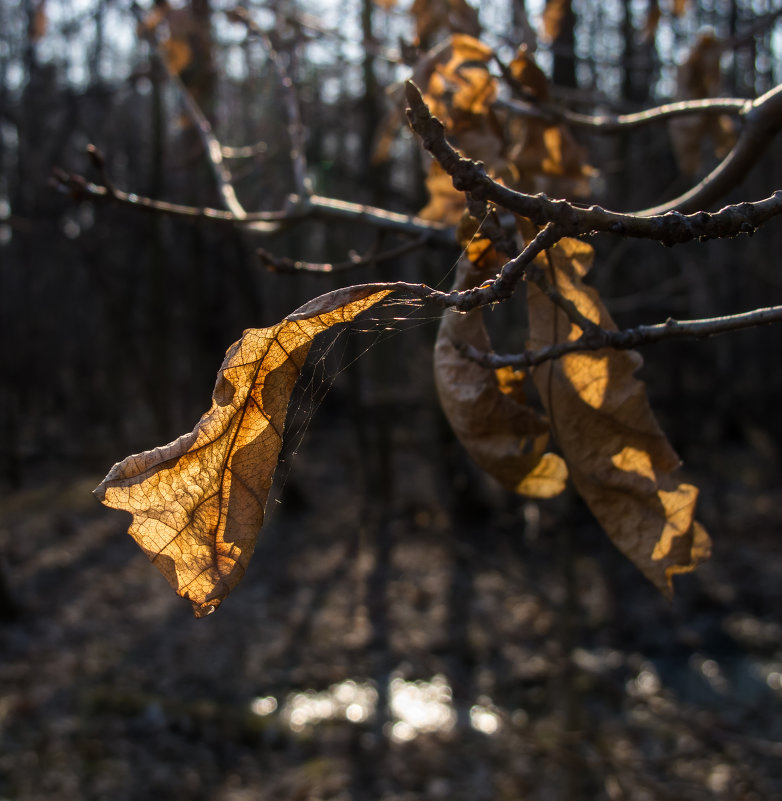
(617, 456)
(198, 503)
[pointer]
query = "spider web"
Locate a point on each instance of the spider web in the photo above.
(336, 351)
(333, 354)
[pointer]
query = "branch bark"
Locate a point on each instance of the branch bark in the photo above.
(290, 101)
(670, 228)
(617, 123)
(629, 338)
(263, 222)
(762, 120)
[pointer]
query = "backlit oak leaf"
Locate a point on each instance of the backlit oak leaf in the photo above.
(198, 503)
(487, 409)
(446, 203)
(619, 459)
(545, 155)
(459, 88)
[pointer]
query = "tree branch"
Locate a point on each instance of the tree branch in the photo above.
(616, 123)
(495, 291)
(537, 276)
(295, 124)
(263, 222)
(629, 338)
(370, 259)
(670, 228)
(210, 142)
(762, 122)
(212, 147)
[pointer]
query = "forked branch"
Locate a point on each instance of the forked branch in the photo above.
(669, 228)
(297, 210)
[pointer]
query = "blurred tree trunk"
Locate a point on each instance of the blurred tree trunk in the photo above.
(159, 341)
(22, 194)
(204, 78)
(637, 72)
(521, 30)
(564, 48)
(9, 448)
(9, 609)
(372, 110)
(637, 61)
(98, 44)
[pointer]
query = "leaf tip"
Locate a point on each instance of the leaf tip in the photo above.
(100, 492)
(699, 552)
(204, 609)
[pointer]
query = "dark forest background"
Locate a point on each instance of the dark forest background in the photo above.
(389, 557)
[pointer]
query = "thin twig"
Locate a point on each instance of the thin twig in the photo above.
(212, 146)
(264, 222)
(537, 276)
(210, 142)
(495, 291)
(370, 259)
(513, 271)
(244, 152)
(616, 123)
(762, 122)
(628, 338)
(99, 162)
(295, 125)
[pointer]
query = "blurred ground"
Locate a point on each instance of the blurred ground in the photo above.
(483, 648)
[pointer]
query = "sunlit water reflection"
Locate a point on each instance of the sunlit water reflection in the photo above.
(415, 707)
(427, 706)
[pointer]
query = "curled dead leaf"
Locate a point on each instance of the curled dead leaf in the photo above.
(487, 408)
(198, 503)
(460, 89)
(620, 460)
(545, 157)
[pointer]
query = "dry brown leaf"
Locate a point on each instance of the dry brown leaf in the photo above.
(478, 247)
(436, 17)
(546, 157)
(198, 503)
(460, 90)
(446, 203)
(186, 43)
(460, 86)
(528, 75)
(487, 408)
(154, 17)
(554, 13)
(619, 459)
(178, 54)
